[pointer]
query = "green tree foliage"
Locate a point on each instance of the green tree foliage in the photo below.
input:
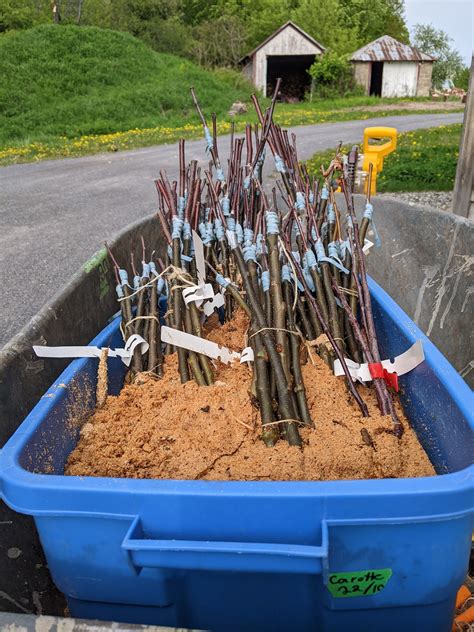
(219, 32)
(437, 43)
(332, 75)
(461, 78)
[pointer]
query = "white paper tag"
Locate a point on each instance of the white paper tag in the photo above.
(199, 345)
(94, 352)
(402, 364)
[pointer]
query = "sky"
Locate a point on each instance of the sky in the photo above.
(455, 17)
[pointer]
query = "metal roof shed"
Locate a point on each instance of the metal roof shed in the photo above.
(388, 68)
(287, 53)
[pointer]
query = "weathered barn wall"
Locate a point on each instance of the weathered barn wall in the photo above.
(362, 74)
(287, 42)
(247, 71)
(399, 79)
(424, 79)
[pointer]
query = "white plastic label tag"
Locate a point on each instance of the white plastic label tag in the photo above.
(125, 354)
(201, 345)
(367, 246)
(198, 293)
(402, 364)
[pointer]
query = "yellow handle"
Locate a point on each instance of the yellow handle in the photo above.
(375, 153)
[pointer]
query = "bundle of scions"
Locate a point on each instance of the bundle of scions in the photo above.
(289, 256)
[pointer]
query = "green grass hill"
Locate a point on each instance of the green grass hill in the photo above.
(70, 81)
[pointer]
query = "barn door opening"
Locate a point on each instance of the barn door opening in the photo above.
(293, 69)
(376, 79)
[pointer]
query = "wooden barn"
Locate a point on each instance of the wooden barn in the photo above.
(287, 53)
(388, 68)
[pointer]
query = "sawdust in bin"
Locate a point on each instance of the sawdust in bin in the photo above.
(165, 429)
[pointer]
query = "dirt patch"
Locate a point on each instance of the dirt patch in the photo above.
(411, 106)
(165, 429)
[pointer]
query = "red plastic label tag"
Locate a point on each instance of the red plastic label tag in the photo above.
(378, 371)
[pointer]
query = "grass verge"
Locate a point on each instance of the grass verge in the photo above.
(425, 160)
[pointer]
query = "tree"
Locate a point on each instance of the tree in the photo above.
(332, 75)
(437, 43)
(461, 78)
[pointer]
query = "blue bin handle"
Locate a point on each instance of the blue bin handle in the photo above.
(224, 556)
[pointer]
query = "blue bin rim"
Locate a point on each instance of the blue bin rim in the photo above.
(19, 485)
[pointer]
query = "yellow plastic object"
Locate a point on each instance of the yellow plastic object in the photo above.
(376, 153)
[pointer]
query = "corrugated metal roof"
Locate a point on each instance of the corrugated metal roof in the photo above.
(387, 48)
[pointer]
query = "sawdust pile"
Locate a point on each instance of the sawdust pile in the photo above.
(165, 429)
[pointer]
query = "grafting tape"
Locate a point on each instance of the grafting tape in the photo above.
(279, 164)
(220, 175)
(272, 223)
(265, 279)
(208, 137)
(177, 227)
(300, 201)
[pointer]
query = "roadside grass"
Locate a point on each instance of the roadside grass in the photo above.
(42, 146)
(425, 160)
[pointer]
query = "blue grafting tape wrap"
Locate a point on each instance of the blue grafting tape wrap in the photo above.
(220, 175)
(311, 197)
(186, 258)
(208, 137)
(119, 290)
(308, 278)
(152, 268)
(369, 214)
(219, 229)
(300, 203)
(239, 232)
(279, 164)
(331, 213)
(177, 227)
(333, 254)
(250, 252)
(265, 279)
(260, 244)
(205, 235)
(272, 223)
(313, 233)
(325, 192)
(181, 206)
(169, 252)
(146, 270)
(324, 230)
(296, 256)
(123, 276)
(246, 182)
(136, 282)
(309, 260)
(223, 282)
(248, 235)
(160, 285)
(187, 233)
(285, 273)
(231, 223)
(225, 204)
(261, 158)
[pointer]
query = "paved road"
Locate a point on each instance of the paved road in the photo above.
(54, 215)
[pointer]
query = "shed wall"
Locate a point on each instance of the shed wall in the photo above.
(400, 79)
(287, 42)
(362, 74)
(425, 71)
